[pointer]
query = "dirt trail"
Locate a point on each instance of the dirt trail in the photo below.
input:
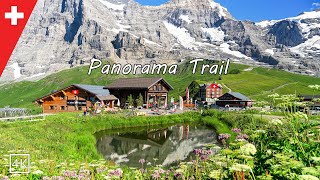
(279, 87)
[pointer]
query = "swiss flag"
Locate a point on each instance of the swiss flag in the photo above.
(14, 15)
(214, 86)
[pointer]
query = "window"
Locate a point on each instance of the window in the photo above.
(51, 107)
(79, 108)
(62, 97)
(62, 108)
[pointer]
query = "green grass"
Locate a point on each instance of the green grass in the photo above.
(71, 136)
(256, 84)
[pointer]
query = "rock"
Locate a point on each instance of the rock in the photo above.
(287, 33)
(69, 33)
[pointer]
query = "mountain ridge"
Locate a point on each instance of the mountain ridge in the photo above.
(61, 35)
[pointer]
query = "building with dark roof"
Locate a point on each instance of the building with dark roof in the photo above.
(314, 100)
(154, 90)
(76, 97)
(234, 99)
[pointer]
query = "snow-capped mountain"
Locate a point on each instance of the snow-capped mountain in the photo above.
(67, 33)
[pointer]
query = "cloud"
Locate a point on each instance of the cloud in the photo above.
(316, 4)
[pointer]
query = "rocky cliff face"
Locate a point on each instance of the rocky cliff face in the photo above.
(67, 33)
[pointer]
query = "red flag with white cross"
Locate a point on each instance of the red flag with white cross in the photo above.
(214, 86)
(14, 15)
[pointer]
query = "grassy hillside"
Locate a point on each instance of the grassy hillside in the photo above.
(256, 83)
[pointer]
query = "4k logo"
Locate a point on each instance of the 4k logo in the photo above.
(20, 163)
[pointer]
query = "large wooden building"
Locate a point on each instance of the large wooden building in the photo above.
(312, 99)
(76, 97)
(154, 90)
(234, 99)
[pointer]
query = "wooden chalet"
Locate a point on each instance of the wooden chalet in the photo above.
(313, 99)
(154, 90)
(234, 99)
(76, 97)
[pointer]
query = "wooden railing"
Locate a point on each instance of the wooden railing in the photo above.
(24, 118)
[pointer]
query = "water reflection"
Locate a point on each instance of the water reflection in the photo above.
(166, 144)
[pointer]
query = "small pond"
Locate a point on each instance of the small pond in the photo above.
(159, 145)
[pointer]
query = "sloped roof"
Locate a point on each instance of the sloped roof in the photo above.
(309, 97)
(136, 83)
(239, 96)
(96, 90)
(106, 97)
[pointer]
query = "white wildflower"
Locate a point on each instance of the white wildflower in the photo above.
(276, 122)
(308, 177)
(248, 149)
(37, 172)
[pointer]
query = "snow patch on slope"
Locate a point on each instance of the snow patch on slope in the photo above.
(16, 70)
(266, 23)
(117, 7)
(185, 18)
(225, 48)
(306, 15)
(218, 7)
(214, 34)
(121, 27)
(181, 34)
(270, 51)
(310, 45)
(151, 42)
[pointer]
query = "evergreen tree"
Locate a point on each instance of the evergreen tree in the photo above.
(140, 100)
(130, 100)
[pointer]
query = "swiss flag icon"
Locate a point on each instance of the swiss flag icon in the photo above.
(14, 15)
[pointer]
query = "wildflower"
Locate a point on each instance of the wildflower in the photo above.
(240, 167)
(308, 177)
(67, 173)
(215, 174)
(142, 170)
(242, 136)
(142, 161)
(209, 152)
(178, 174)
(248, 149)
(42, 161)
(161, 171)
(5, 178)
(315, 159)
(224, 136)
(85, 172)
(236, 130)
(46, 178)
(118, 172)
(204, 157)
(74, 174)
(156, 175)
(58, 178)
(276, 122)
(197, 151)
(37, 172)
(260, 131)
(310, 170)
